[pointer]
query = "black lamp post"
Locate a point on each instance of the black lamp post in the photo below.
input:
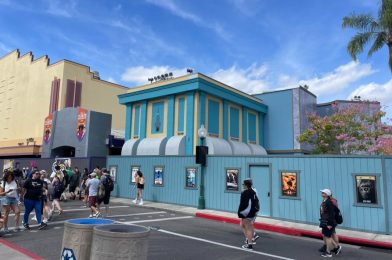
(201, 158)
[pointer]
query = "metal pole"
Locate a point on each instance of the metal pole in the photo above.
(202, 202)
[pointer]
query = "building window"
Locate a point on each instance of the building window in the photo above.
(252, 128)
(136, 124)
(73, 93)
(54, 96)
(234, 114)
(213, 117)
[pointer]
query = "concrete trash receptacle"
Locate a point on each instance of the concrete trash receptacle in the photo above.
(77, 237)
(119, 242)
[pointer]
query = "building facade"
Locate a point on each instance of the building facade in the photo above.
(163, 118)
(31, 89)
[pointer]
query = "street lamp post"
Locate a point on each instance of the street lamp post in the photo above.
(202, 133)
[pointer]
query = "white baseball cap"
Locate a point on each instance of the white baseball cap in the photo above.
(327, 192)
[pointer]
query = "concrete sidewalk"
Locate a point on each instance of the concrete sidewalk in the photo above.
(11, 251)
(273, 225)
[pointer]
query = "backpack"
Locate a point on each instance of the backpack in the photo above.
(59, 187)
(338, 216)
(256, 203)
(109, 184)
(101, 191)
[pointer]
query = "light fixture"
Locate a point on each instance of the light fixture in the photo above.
(189, 70)
(202, 132)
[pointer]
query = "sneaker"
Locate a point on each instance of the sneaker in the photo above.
(91, 216)
(255, 237)
(6, 230)
(34, 218)
(337, 250)
(26, 226)
(134, 201)
(247, 247)
(42, 226)
(141, 203)
(323, 249)
(97, 215)
(326, 254)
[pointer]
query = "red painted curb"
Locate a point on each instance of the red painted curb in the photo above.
(21, 250)
(298, 232)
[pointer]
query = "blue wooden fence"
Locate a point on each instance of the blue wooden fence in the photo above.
(314, 173)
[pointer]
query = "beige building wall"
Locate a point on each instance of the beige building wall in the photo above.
(25, 89)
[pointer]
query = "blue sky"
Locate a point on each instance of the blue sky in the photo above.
(253, 45)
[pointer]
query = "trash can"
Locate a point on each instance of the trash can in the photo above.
(78, 236)
(119, 242)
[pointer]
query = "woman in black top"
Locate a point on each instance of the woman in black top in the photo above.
(32, 199)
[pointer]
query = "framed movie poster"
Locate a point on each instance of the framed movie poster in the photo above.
(289, 184)
(134, 170)
(366, 189)
(48, 128)
(232, 179)
(81, 123)
(113, 172)
(190, 177)
(158, 175)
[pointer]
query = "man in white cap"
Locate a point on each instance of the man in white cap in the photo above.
(93, 186)
(328, 223)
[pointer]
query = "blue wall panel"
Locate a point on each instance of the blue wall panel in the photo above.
(136, 125)
(213, 117)
(128, 121)
(234, 122)
(181, 113)
(252, 127)
(315, 173)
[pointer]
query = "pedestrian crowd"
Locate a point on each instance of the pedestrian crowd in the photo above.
(44, 193)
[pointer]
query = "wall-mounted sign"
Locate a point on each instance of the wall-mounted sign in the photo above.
(81, 123)
(158, 176)
(366, 189)
(289, 184)
(232, 179)
(48, 128)
(190, 177)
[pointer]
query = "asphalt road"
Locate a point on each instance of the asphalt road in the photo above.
(180, 236)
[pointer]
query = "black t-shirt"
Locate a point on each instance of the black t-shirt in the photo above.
(33, 189)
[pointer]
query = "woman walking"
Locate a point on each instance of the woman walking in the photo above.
(9, 189)
(58, 188)
(139, 182)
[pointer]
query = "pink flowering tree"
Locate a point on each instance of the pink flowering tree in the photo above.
(353, 129)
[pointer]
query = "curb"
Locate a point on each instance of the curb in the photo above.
(297, 232)
(21, 250)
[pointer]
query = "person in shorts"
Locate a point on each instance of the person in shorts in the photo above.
(247, 212)
(139, 182)
(105, 180)
(93, 186)
(9, 192)
(327, 222)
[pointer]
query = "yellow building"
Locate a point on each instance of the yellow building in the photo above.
(31, 89)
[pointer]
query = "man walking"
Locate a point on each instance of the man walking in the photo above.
(328, 223)
(247, 211)
(107, 182)
(92, 187)
(34, 188)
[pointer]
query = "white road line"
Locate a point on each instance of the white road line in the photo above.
(224, 245)
(83, 209)
(155, 220)
(136, 214)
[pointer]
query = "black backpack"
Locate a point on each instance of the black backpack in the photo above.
(109, 184)
(256, 203)
(59, 187)
(338, 216)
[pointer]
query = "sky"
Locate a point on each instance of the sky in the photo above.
(252, 45)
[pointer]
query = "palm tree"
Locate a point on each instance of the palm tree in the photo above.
(370, 29)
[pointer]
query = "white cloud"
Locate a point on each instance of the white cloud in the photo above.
(140, 74)
(250, 80)
(339, 79)
(61, 8)
(110, 79)
(175, 9)
(374, 91)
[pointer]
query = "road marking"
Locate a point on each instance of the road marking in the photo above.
(156, 220)
(137, 214)
(224, 245)
(57, 227)
(84, 209)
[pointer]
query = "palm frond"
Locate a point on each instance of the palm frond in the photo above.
(358, 42)
(390, 57)
(385, 15)
(363, 22)
(378, 43)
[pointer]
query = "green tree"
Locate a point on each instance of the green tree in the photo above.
(378, 31)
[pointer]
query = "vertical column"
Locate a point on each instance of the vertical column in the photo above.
(128, 121)
(225, 120)
(143, 119)
(244, 125)
(170, 116)
(261, 128)
(202, 113)
(189, 114)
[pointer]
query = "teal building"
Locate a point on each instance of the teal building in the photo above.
(162, 118)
